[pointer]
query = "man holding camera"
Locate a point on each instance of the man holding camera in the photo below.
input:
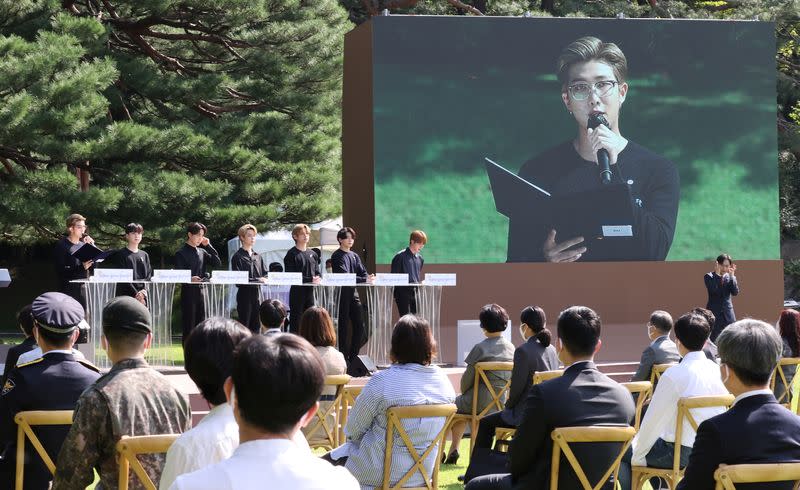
(53, 381)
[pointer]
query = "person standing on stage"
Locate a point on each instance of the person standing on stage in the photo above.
(196, 254)
(130, 257)
(409, 261)
(344, 260)
(301, 259)
(68, 268)
(721, 285)
(246, 259)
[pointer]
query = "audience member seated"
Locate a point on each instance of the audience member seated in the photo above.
(275, 383)
(654, 444)
(51, 382)
(132, 399)
(208, 354)
(25, 323)
(410, 380)
(756, 429)
(583, 396)
(789, 326)
(661, 350)
(316, 326)
(272, 315)
(710, 349)
(536, 354)
(494, 348)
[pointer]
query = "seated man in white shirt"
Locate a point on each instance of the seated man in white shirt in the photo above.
(275, 383)
(696, 375)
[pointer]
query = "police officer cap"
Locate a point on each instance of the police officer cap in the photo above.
(57, 312)
(127, 313)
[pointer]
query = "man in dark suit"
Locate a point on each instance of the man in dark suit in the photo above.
(25, 322)
(661, 350)
(721, 285)
(756, 429)
(51, 382)
(583, 396)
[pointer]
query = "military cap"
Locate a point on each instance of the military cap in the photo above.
(127, 313)
(57, 312)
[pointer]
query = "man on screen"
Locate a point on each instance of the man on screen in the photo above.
(593, 76)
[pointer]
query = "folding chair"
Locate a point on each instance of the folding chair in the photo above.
(395, 417)
(128, 448)
(507, 433)
(779, 380)
(542, 376)
(564, 436)
(324, 430)
(498, 398)
(349, 395)
(727, 476)
(24, 422)
(640, 474)
(641, 391)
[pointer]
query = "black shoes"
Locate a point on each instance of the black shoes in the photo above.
(451, 458)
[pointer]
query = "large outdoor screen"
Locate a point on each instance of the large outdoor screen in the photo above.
(482, 143)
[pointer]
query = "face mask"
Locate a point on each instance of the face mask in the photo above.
(522, 329)
(232, 401)
(727, 374)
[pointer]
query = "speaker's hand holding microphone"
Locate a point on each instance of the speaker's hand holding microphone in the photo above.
(606, 143)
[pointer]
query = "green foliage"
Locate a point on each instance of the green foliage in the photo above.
(224, 112)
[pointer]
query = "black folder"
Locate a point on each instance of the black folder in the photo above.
(89, 252)
(603, 213)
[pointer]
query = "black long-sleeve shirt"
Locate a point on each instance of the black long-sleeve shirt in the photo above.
(253, 264)
(68, 268)
(405, 262)
(305, 262)
(349, 263)
(655, 191)
(197, 259)
(139, 261)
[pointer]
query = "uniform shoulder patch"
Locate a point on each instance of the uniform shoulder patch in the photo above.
(30, 363)
(88, 365)
(8, 386)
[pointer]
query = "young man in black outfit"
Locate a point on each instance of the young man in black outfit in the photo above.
(409, 261)
(247, 259)
(68, 268)
(196, 254)
(301, 259)
(345, 261)
(131, 257)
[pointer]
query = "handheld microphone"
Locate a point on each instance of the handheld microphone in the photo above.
(595, 120)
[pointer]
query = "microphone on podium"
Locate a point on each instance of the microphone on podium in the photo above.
(595, 120)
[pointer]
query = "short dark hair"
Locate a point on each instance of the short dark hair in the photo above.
(277, 379)
(661, 320)
(25, 319)
(124, 339)
(275, 267)
(56, 340)
(316, 326)
(272, 313)
(493, 318)
(412, 341)
(721, 258)
(208, 355)
(579, 330)
(705, 313)
(342, 234)
(692, 330)
(195, 228)
(134, 228)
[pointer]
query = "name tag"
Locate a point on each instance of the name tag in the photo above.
(440, 280)
(285, 278)
(385, 279)
(339, 280)
(172, 275)
(618, 230)
(112, 275)
(229, 277)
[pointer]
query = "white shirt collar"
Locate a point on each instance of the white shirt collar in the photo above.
(58, 351)
(747, 394)
(695, 355)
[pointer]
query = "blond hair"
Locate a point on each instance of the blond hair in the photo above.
(591, 49)
(245, 228)
(298, 228)
(74, 218)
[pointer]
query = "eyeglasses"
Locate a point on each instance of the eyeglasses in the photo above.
(582, 90)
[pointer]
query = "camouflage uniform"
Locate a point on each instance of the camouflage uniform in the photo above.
(132, 399)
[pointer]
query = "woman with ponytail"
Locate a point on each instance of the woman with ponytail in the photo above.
(535, 354)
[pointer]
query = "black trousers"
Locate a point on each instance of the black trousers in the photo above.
(301, 298)
(406, 299)
(486, 428)
(247, 306)
(193, 308)
(350, 314)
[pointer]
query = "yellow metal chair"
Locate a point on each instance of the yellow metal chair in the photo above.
(640, 474)
(394, 417)
(727, 476)
(128, 448)
(323, 431)
(564, 436)
(25, 421)
(641, 391)
(498, 398)
(658, 370)
(779, 380)
(542, 376)
(349, 395)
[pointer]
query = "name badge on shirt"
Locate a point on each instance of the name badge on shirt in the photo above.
(617, 230)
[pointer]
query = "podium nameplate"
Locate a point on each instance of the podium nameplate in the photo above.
(5, 278)
(386, 279)
(339, 279)
(229, 277)
(440, 280)
(172, 275)
(112, 275)
(285, 278)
